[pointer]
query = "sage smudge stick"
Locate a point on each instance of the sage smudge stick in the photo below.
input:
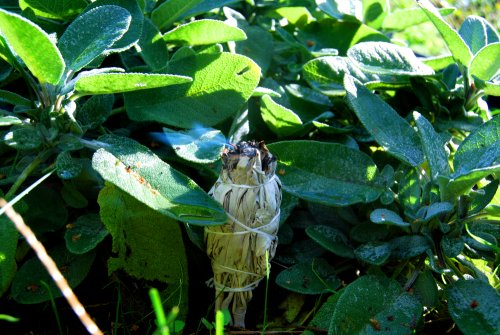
(250, 192)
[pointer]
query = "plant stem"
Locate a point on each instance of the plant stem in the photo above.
(264, 323)
(42, 157)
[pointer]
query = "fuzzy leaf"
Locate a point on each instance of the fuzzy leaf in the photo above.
(477, 32)
(171, 10)
(67, 167)
(198, 145)
(281, 120)
(27, 287)
(482, 197)
(202, 32)
(137, 171)
(95, 111)
(9, 236)
(34, 46)
(387, 58)
(455, 43)
(153, 49)
(54, 9)
(327, 173)
(484, 65)
(85, 234)
(400, 19)
(389, 129)
(331, 239)
(372, 303)
(376, 253)
(385, 216)
(409, 246)
(480, 151)
(23, 138)
(221, 84)
(148, 244)
(90, 34)
(311, 277)
(106, 83)
(433, 147)
(135, 29)
(474, 306)
(326, 74)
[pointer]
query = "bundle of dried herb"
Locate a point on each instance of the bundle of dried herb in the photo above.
(250, 192)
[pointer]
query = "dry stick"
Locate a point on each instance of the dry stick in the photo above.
(51, 267)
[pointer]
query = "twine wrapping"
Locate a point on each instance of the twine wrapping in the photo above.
(250, 192)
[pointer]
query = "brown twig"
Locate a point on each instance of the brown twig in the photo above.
(51, 267)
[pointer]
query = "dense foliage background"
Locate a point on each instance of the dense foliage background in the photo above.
(383, 116)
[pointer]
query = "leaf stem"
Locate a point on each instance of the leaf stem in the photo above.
(42, 157)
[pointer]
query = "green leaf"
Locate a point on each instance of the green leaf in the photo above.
(281, 120)
(311, 277)
(374, 12)
(206, 6)
(474, 306)
(137, 171)
(135, 29)
(482, 197)
(92, 33)
(259, 45)
(409, 246)
(331, 239)
(85, 234)
(400, 19)
(23, 138)
(67, 167)
(322, 319)
(427, 213)
(426, 289)
(389, 129)
(28, 287)
(326, 74)
(480, 151)
(202, 32)
(327, 173)
(452, 246)
(170, 11)
(106, 83)
(34, 46)
(72, 196)
(342, 9)
(221, 84)
(147, 244)
(376, 253)
(47, 212)
(385, 216)
(433, 147)
(8, 236)
(153, 48)
(198, 145)
(9, 121)
(338, 34)
(54, 9)
(484, 65)
(95, 111)
(387, 58)
(459, 49)
(439, 62)
(368, 232)
(477, 32)
(7, 97)
(371, 304)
